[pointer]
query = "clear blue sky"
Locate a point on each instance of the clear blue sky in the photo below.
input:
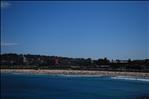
(116, 30)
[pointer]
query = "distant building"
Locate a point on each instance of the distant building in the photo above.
(56, 61)
(24, 59)
(119, 61)
(123, 61)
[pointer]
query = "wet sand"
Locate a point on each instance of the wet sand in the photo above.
(77, 72)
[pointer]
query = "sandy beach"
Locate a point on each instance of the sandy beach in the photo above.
(77, 72)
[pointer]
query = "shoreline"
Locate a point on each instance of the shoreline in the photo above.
(77, 72)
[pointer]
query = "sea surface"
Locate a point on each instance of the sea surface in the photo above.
(35, 86)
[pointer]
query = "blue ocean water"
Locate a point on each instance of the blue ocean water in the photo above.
(27, 86)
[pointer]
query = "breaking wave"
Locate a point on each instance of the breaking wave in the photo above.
(130, 78)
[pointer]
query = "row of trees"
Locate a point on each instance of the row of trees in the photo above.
(29, 61)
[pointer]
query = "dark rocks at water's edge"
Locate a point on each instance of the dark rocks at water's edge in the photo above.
(28, 61)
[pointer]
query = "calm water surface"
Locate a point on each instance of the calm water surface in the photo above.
(27, 86)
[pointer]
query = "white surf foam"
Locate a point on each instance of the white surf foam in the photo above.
(65, 75)
(130, 78)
